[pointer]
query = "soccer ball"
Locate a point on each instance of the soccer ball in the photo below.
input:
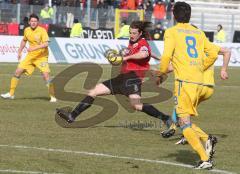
(156, 36)
(113, 57)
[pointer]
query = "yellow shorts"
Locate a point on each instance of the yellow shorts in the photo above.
(186, 98)
(206, 93)
(29, 64)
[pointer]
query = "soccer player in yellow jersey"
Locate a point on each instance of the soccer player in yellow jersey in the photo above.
(206, 93)
(184, 46)
(37, 57)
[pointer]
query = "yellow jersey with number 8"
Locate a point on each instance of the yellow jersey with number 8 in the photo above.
(184, 46)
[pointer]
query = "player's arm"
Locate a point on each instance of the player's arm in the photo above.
(169, 46)
(22, 45)
(154, 56)
(226, 58)
(142, 54)
(212, 53)
(42, 45)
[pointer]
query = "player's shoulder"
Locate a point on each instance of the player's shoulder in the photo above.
(27, 29)
(41, 29)
(143, 41)
(194, 27)
(171, 29)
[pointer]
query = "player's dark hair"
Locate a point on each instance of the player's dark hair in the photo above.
(220, 26)
(33, 16)
(142, 26)
(182, 12)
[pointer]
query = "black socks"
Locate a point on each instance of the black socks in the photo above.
(152, 111)
(82, 106)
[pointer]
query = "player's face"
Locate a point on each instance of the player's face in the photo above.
(33, 23)
(134, 34)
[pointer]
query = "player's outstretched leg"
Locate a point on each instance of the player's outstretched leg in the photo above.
(100, 89)
(154, 112)
(82, 106)
(13, 84)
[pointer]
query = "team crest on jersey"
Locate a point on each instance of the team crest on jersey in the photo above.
(37, 38)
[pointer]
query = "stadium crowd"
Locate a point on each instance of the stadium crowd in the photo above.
(156, 11)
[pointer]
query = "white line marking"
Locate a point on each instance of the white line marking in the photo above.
(27, 172)
(109, 156)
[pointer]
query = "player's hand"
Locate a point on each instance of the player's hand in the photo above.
(124, 52)
(224, 74)
(160, 78)
(19, 56)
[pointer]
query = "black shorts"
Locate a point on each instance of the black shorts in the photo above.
(125, 84)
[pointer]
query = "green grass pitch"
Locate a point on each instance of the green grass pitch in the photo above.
(31, 140)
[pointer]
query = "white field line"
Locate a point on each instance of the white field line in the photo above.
(26, 172)
(107, 156)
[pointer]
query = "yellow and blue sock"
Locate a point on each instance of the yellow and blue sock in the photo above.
(13, 85)
(50, 86)
(194, 141)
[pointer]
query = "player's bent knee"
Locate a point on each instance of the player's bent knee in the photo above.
(183, 121)
(92, 93)
(46, 76)
(18, 73)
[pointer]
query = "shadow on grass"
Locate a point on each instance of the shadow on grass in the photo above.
(34, 98)
(185, 156)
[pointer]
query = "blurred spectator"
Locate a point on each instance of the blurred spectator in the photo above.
(77, 29)
(170, 9)
(56, 2)
(46, 14)
(102, 13)
(70, 19)
(140, 5)
(132, 4)
(123, 5)
(221, 35)
(110, 14)
(36, 2)
(116, 3)
(148, 7)
(80, 9)
(94, 9)
(124, 31)
(23, 24)
(159, 11)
